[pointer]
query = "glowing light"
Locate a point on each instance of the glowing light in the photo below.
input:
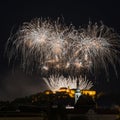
(87, 92)
(45, 68)
(67, 65)
(56, 82)
(46, 45)
(97, 44)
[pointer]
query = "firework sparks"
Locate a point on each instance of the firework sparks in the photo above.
(47, 45)
(97, 44)
(56, 82)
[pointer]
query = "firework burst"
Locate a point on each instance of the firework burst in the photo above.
(40, 43)
(97, 45)
(49, 46)
(56, 82)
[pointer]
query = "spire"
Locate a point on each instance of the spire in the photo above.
(77, 92)
(77, 84)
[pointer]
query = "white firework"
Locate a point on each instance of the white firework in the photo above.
(50, 46)
(96, 47)
(39, 43)
(56, 82)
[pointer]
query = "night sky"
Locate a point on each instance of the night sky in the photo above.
(13, 81)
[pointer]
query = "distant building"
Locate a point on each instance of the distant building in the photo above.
(77, 95)
(62, 93)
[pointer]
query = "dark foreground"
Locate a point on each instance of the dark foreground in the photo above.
(90, 115)
(70, 117)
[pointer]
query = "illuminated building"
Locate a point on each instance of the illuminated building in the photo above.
(91, 93)
(77, 92)
(72, 92)
(62, 93)
(77, 95)
(48, 92)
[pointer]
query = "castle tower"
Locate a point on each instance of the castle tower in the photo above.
(77, 92)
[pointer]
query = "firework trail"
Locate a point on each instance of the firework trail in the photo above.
(40, 44)
(49, 46)
(56, 82)
(98, 45)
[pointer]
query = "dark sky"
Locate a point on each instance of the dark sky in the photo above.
(15, 83)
